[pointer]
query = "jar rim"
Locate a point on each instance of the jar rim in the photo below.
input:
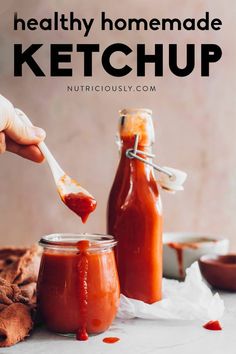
(67, 241)
(126, 111)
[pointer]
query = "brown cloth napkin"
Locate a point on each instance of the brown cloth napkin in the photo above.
(18, 275)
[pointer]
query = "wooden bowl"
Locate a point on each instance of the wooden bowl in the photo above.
(219, 271)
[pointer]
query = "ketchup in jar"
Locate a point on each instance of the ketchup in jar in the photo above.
(78, 288)
(134, 214)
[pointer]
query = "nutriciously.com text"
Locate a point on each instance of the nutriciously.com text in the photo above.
(111, 88)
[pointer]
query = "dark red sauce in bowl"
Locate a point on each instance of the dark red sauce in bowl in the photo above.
(219, 271)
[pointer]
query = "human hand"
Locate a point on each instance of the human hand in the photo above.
(16, 137)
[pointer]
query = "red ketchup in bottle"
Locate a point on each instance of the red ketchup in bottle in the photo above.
(134, 215)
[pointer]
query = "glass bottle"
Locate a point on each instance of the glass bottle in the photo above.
(134, 215)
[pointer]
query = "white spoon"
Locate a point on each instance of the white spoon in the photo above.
(72, 194)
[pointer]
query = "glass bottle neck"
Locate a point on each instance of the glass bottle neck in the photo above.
(126, 145)
(133, 165)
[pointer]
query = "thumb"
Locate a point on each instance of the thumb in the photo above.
(15, 128)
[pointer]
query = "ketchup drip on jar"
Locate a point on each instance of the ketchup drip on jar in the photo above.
(81, 204)
(82, 246)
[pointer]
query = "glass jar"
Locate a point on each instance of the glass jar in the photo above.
(78, 288)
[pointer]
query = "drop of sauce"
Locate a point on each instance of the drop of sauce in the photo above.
(111, 340)
(81, 204)
(213, 326)
(82, 334)
(82, 246)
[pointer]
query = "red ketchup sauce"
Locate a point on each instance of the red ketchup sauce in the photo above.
(81, 204)
(213, 326)
(111, 340)
(179, 247)
(82, 246)
(134, 216)
(78, 292)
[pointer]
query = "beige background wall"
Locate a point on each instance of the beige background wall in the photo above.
(194, 119)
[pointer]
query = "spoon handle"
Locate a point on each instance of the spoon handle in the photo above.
(56, 169)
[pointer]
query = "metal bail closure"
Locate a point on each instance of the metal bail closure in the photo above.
(170, 179)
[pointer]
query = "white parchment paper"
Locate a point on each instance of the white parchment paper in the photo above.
(188, 300)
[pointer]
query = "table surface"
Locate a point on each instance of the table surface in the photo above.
(142, 337)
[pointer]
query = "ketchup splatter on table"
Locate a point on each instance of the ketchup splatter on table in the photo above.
(111, 340)
(81, 204)
(82, 247)
(213, 326)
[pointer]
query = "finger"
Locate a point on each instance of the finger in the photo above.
(2, 143)
(23, 134)
(6, 112)
(15, 128)
(30, 152)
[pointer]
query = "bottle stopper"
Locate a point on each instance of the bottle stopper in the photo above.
(171, 179)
